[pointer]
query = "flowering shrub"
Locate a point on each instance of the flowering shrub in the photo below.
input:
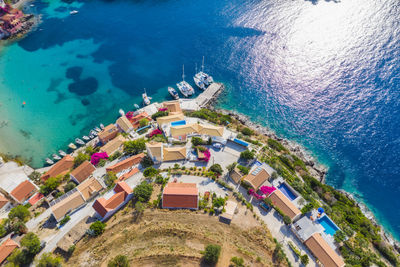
(207, 155)
(155, 132)
(253, 193)
(129, 114)
(162, 109)
(267, 190)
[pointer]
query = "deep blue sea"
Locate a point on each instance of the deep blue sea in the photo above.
(323, 73)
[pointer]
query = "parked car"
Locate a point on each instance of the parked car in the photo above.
(264, 206)
(217, 145)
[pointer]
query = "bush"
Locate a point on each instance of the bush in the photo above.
(114, 156)
(237, 262)
(216, 168)
(143, 192)
(247, 131)
(134, 147)
(243, 169)
(143, 122)
(146, 162)
(218, 202)
(69, 186)
(304, 259)
(150, 172)
(65, 220)
(49, 260)
(119, 261)
(339, 236)
(31, 243)
(159, 114)
(80, 158)
(231, 167)
(97, 228)
(276, 145)
(247, 155)
(20, 212)
(102, 162)
(35, 176)
(50, 184)
(307, 208)
(15, 225)
(109, 179)
(287, 220)
(211, 253)
(197, 141)
(71, 249)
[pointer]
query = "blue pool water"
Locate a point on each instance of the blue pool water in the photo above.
(241, 142)
(287, 191)
(178, 123)
(257, 163)
(323, 73)
(330, 227)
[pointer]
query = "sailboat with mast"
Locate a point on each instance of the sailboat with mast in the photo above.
(146, 99)
(185, 88)
(203, 77)
(199, 82)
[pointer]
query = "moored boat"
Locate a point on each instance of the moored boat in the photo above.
(49, 161)
(56, 157)
(97, 129)
(121, 112)
(73, 12)
(173, 92)
(136, 106)
(146, 99)
(206, 79)
(79, 141)
(93, 132)
(91, 136)
(185, 88)
(102, 126)
(86, 138)
(72, 146)
(62, 153)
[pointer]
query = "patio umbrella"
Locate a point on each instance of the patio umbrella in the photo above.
(320, 210)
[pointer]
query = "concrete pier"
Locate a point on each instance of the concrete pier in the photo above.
(209, 94)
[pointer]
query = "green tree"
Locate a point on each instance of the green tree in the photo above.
(80, 158)
(109, 179)
(150, 172)
(304, 259)
(159, 114)
(216, 168)
(339, 236)
(49, 260)
(143, 122)
(35, 176)
(102, 162)
(278, 254)
(211, 253)
(134, 147)
(69, 186)
(218, 202)
(3, 231)
(15, 225)
(243, 169)
(237, 262)
(146, 162)
(50, 184)
(143, 192)
(19, 258)
(97, 228)
(31, 243)
(247, 131)
(247, 155)
(21, 212)
(287, 220)
(231, 167)
(197, 141)
(119, 261)
(90, 150)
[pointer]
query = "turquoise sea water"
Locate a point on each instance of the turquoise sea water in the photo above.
(323, 73)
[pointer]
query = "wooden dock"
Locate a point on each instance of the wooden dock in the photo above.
(209, 94)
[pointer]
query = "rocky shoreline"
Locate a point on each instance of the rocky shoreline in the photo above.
(316, 169)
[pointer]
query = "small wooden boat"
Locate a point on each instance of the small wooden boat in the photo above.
(62, 153)
(56, 157)
(49, 161)
(86, 138)
(72, 146)
(79, 141)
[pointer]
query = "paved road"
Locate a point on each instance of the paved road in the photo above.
(33, 223)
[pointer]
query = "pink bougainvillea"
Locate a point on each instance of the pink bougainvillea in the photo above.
(162, 109)
(96, 157)
(207, 155)
(267, 190)
(129, 114)
(155, 132)
(253, 193)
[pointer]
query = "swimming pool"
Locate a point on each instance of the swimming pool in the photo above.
(287, 191)
(178, 123)
(240, 142)
(330, 227)
(257, 163)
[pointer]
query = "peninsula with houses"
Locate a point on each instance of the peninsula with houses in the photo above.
(180, 183)
(13, 22)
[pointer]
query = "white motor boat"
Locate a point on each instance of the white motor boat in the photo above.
(146, 99)
(136, 106)
(56, 157)
(173, 92)
(97, 129)
(121, 112)
(86, 138)
(49, 161)
(79, 141)
(93, 132)
(72, 146)
(73, 12)
(102, 126)
(91, 136)
(185, 88)
(62, 153)
(204, 77)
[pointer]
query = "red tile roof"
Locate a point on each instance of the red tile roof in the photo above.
(33, 200)
(7, 248)
(23, 191)
(83, 171)
(180, 195)
(3, 201)
(284, 204)
(126, 163)
(109, 132)
(103, 206)
(128, 174)
(321, 249)
(62, 167)
(135, 120)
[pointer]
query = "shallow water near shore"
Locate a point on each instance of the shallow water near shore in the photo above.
(322, 73)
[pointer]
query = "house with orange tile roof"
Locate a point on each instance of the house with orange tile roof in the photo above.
(257, 176)
(106, 206)
(280, 201)
(173, 107)
(158, 152)
(62, 167)
(82, 172)
(108, 133)
(125, 164)
(180, 196)
(7, 248)
(124, 124)
(129, 174)
(23, 191)
(135, 121)
(323, 252)
(114, 145)
(3, 201)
